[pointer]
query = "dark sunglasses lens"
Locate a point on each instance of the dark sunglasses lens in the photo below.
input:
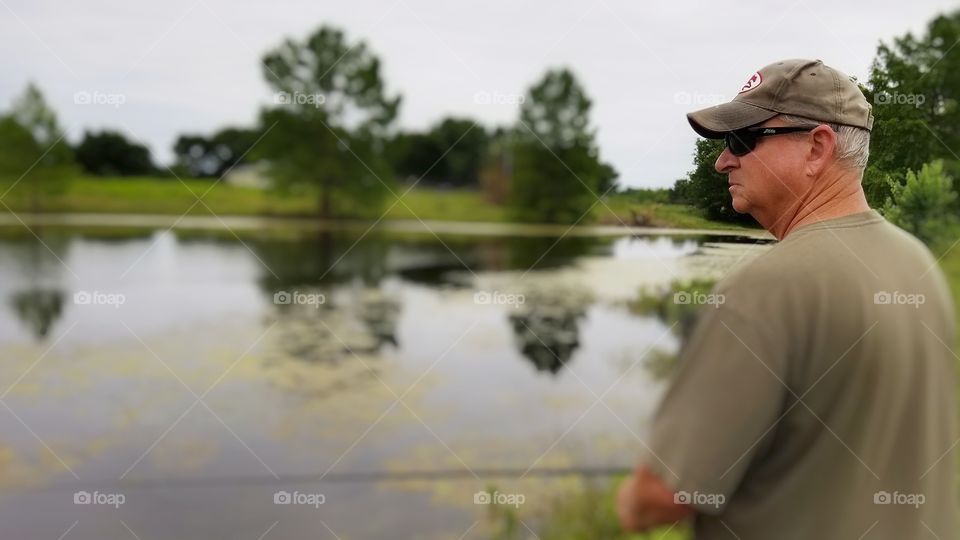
(740, 144)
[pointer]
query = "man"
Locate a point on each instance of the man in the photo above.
(817, 401)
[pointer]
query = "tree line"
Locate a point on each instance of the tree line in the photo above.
(331, 134)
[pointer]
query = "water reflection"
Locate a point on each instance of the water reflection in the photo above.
(332, 257)
(494, 384)
(320, 327)
(379, 313)
(546, 326)
(38, 309)
(37, 300)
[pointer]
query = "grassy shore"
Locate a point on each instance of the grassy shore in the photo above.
(148, 195)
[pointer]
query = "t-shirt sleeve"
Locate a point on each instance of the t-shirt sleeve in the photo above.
(722, 405)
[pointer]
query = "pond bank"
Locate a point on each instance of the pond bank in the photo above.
(393, 225)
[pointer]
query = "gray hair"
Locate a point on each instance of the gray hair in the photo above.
(853, 143)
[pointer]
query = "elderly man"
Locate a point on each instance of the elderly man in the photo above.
(818, 400)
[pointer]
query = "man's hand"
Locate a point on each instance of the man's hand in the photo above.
(644, 501)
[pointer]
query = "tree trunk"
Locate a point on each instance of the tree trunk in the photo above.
(325, 202)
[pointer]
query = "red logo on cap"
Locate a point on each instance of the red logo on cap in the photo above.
(753, 82)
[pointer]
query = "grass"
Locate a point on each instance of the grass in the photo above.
(148, 195)
(587, 514)
(152, 195)
(950, 264)
(656, 214)
(452, 205)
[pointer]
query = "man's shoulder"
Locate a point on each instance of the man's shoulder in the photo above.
(783, 262)
(841, 262)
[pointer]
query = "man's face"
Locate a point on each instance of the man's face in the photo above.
(770, 179)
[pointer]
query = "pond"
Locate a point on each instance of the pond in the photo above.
(169, 384)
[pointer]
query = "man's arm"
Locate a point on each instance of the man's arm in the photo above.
(644, 501)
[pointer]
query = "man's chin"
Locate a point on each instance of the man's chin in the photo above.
(740, 205)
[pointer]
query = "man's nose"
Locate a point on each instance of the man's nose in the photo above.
(726, 161)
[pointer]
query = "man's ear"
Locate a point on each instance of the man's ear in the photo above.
(823, 141)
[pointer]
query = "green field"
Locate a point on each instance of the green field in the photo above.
(147, 195)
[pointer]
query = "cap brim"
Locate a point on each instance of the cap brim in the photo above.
(714, 122)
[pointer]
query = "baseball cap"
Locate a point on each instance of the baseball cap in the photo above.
(798, 87)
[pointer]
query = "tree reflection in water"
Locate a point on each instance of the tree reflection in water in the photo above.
(546, 326)
(38, 309)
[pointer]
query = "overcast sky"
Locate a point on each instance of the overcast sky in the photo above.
(193, 65)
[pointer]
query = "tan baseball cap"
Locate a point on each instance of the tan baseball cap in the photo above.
(799, 87)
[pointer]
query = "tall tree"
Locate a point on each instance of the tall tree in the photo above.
(33, 153)
(328, 128)
(915, 90)
(109, 153)
(557, 173)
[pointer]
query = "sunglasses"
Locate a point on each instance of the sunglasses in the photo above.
(742, 141)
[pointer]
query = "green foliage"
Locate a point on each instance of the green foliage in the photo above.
(31, 111)
(33, 152)
(586, 514)
(211, 157)
(553, 185)
(923, 205)
(877, 185)
(328, 129)
(556, 110)
(338, 81)
(706, 189)
(557, 175)
(109, 153)
(915, 87)
(16, 147)
(450, 153)
(345, 171)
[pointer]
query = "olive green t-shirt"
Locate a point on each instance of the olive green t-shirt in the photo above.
(815, 398)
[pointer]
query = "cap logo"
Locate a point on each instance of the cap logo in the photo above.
(753, 82)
